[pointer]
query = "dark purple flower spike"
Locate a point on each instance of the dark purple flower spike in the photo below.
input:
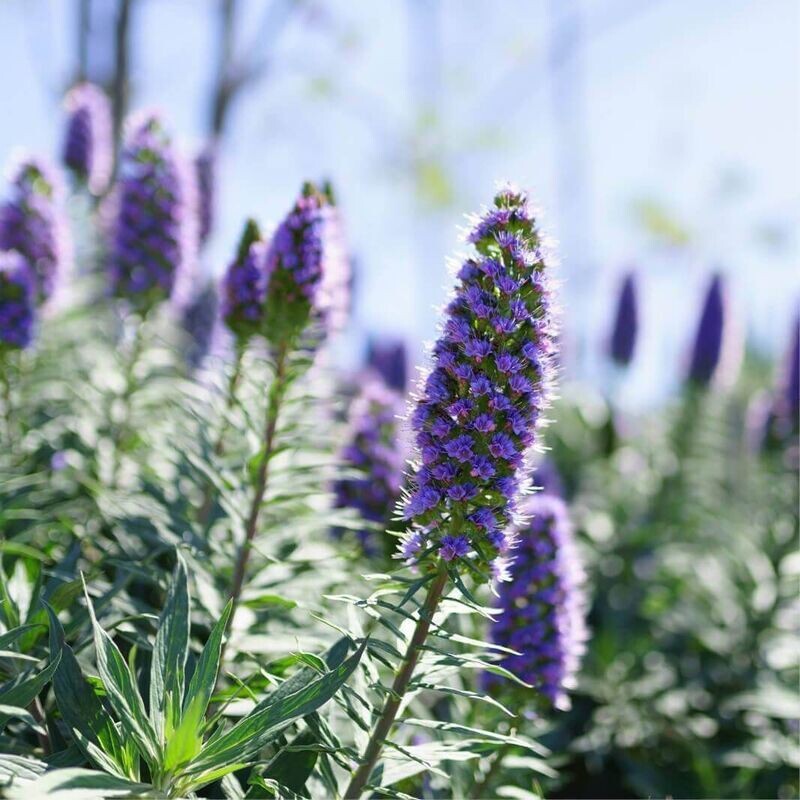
(543, 607)
(626, 323)
(17, 301)
(477, 412)
(375, 450)
(153, 241)
(32, 222)
(87, 150)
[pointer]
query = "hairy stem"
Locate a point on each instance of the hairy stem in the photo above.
(276, 394)
(403, 677)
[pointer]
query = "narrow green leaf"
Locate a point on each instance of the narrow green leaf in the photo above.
(170, 651)
(187, 739)
(12, 712)
(23, 690)
(73, 783)
(122, 692)
(292, 768)
(81, 709)
(249, 735)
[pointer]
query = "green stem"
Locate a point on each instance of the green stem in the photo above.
(277, 392)
(395, 697)
(219, 444)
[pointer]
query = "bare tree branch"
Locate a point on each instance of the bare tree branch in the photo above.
(233, 72)
(120, 84)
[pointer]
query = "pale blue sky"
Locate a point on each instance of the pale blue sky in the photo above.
(689, 108)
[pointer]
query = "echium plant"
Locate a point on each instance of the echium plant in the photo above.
(375, 454)
(715, 355)
(480, 405)
(17, 319)
(389, 358)
(292, 294)
(170, 746)
(542, 610)
(17, 302)
(32, 222)
(475, 422)
(153, 240)
(244, 288)
(87, 150)
(624, 332)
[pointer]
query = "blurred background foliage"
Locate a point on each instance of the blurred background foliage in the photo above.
(687, 516)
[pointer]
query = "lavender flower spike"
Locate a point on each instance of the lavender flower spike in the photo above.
(374, 449)
(244, 288)
(626, 323)
(17, 301)
(787, 403)
(306, 269)
(389, 358)
(476, 416)
(87, 142)
(153, 240)
(32, 223)
(713, 356)
(543, 614)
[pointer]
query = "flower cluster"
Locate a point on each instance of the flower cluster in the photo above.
(307, 275)
(542, 610)
(32, 223)
(205, 165)
(626, 323)
(478, 410)
(17, 301)
(714, 357)
(152, 243)
(244, 287)
(198, 321)
(389, 358)
(87, 142)
(375, 449)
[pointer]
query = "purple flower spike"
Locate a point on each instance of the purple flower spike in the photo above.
(198, 321)
(626, 323)
(476, 417)
(777, 419)
(205, 165)
(788, 400)
(389, 358)
(543, 608)
(87, 143)
(308, 273)
(32, 222)
(376, 451)
(153, 241)
(244, 288)
(17, 301)
(713, 358)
